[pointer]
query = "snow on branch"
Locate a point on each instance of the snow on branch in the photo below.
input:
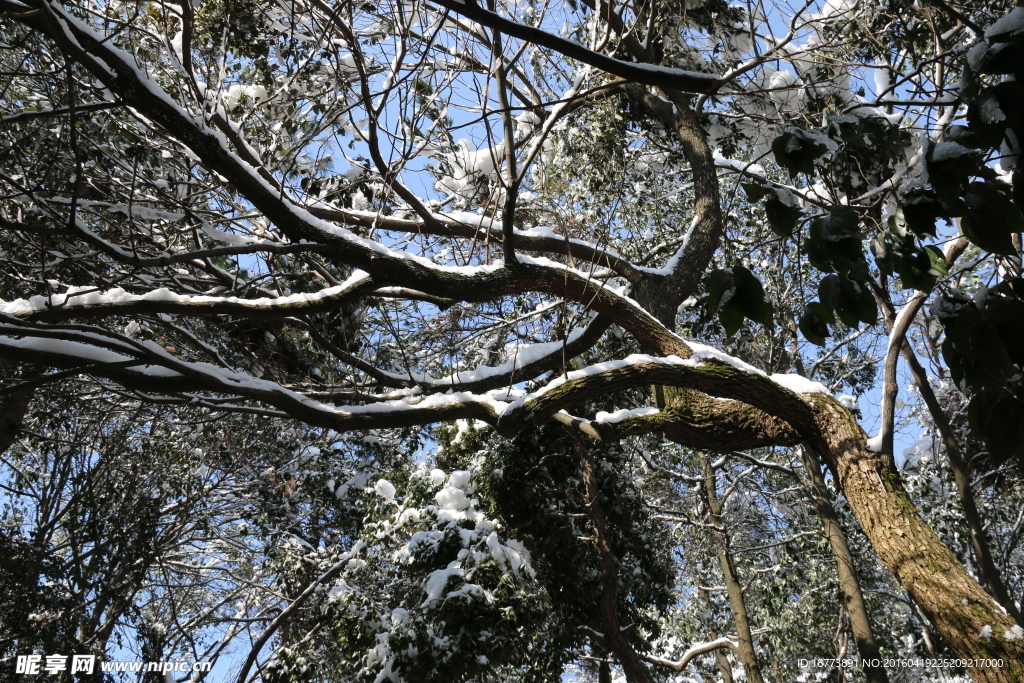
(88, 302)
(117, 71)
(148, 366)
(647, 74)
(693, 651)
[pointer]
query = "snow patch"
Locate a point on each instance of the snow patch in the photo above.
(800, 385)
(1010, 23)
(620, 415)
(459, 479)
(451, 498)
(437, 477)
(849, 402)
(438, 581)
(385, 489)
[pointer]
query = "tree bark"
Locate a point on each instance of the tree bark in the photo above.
(969, 620)
(722, 659)
(860, 624)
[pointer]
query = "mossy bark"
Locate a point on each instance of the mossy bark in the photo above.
(973, 625)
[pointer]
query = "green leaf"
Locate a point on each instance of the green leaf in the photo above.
(858, 299)
(735, 293)
(840, 222)
(883, 255)
(937, 261)
(1004, 427)
(989, 349)
(959, 331)
(987, 118)
(829, 290)
(979, 409)
(1008, 316)
(990, 219)
(835, 245)
(913, 264)
(755, 192)
(812, 324)
(955, 362)
(847, 314)
(964, 136)
(782, 217)
(718, 283)
(797, 149)
(950, 166)
(731, 318)
(749, 293)
(921, 208)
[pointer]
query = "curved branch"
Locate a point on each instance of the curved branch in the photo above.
(67, 348)
(665, 288)
(287, 612)
(702, 422)
(693, 651)
(648, 74)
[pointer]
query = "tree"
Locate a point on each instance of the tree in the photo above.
(387, 216)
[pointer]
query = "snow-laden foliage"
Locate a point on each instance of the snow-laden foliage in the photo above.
(428, 565)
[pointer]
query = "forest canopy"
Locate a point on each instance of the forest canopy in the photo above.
(448, 340)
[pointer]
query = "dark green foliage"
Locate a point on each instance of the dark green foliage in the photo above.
(991, 217)
(984, 348)
(797, 149)
(36, 611)
(898, 251)
(850, 299)
(835, 243)
(782, 215)
(814, 322)
(534, 484)
(242, 22)
(736, 294)
(984, 342)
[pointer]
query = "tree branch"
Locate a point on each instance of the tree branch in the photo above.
(647, 74)
(691, 652)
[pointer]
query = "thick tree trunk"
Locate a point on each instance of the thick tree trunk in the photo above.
(747, 654)
(969, 620)
(821, 497)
